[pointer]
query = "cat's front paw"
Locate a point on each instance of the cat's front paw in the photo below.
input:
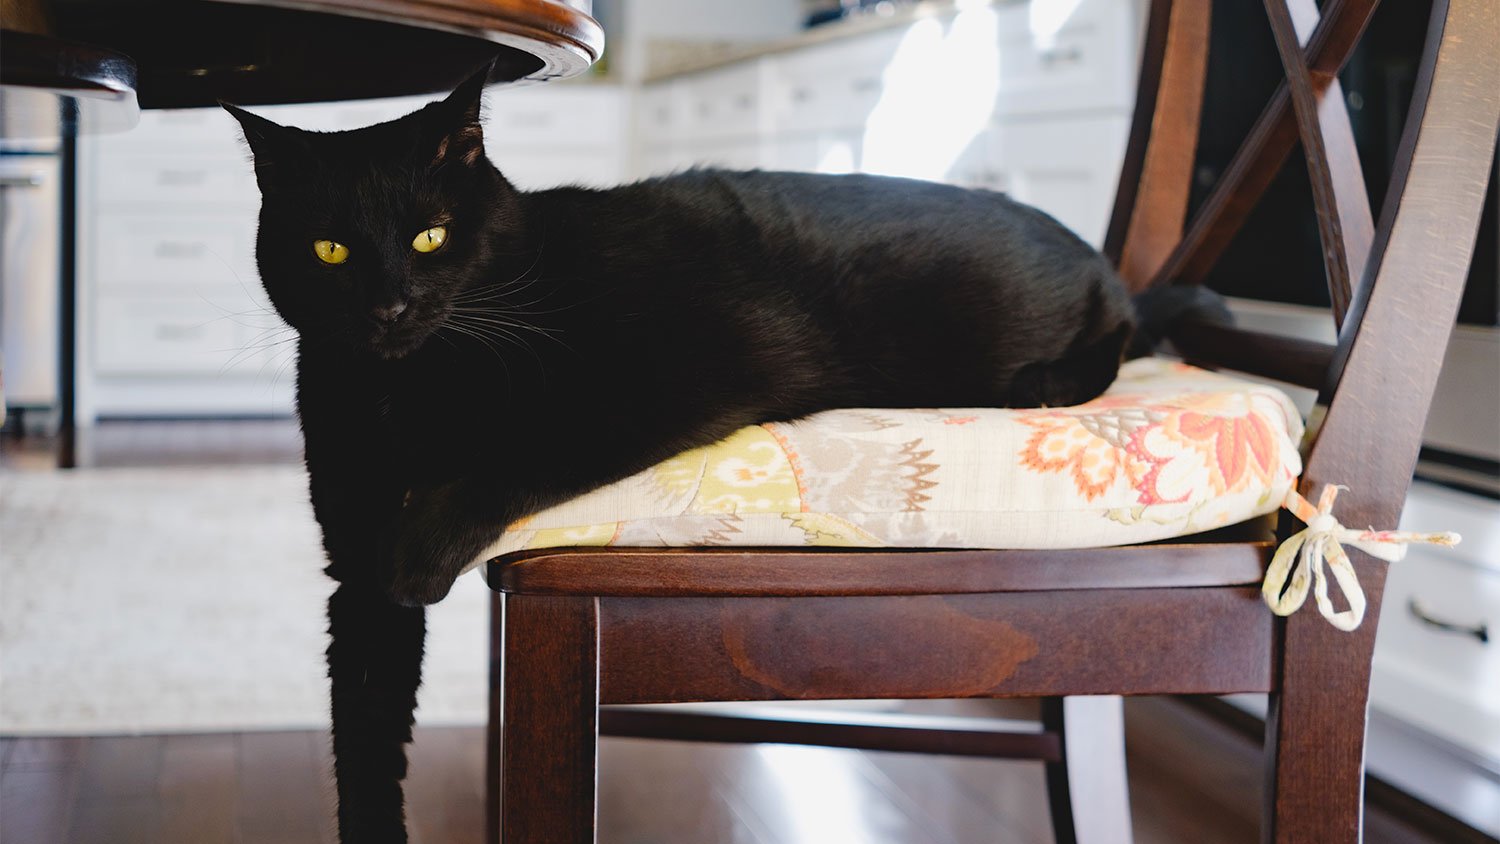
(426, 549)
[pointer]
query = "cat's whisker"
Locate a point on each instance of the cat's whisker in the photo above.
(266, 340)
(549, 333)
(502, 333)
(486, 343)
(488, 320)
(281, 370)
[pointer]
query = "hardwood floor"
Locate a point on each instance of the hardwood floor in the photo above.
(1192, 780)
(175, 442)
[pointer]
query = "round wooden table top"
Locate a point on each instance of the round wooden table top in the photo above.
(256, 52)
(47, 84)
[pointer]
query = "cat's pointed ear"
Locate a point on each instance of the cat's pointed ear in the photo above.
(274, 146)
(460, 137)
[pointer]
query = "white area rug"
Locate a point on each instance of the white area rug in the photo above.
(187, 600)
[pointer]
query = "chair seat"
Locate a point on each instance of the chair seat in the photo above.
(1168, 450)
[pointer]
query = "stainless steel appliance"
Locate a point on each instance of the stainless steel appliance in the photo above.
(29, 252)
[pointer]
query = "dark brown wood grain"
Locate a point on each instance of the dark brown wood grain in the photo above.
(1166, 170)
(1291, 360)
(1148, 84)
(493, 734)
(1263, 152)
(657, 650)
(550, 738)
(192, 53)
(663, 572)
(1393, 344)
(1345, 226)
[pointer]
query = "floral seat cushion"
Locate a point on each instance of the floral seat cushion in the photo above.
(1168, 450)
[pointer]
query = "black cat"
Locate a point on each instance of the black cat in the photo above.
(469, 353)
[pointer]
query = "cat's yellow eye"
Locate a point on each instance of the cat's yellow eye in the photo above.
(431, 240)
(330, 252)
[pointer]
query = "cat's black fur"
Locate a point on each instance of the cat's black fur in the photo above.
(567, 338)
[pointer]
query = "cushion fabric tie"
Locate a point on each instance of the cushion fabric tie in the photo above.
(1321, 541)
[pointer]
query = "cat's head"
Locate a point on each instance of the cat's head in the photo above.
(367, 235)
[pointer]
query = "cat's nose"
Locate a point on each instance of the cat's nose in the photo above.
(387, 313)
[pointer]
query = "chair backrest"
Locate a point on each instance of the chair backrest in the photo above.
(1394, 287)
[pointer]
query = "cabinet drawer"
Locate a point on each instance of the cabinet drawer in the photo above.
(339, 117)
(1452, 592)
(200, 132)
(1068, 167)
(163, 335)
(658, 114)
(825, 152)
(1086, 61)
(721, 104)
(731, 155)
(534, 169)
(578, 116)
(137, 251)
(195, 180)
(835, 86)
(1444, 681)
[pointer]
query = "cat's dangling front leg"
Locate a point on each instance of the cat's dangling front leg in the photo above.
(375, 645)
(374, 667)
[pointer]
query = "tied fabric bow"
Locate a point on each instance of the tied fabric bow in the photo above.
(1320, 542)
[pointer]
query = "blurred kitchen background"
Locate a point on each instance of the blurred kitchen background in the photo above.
(181, 363)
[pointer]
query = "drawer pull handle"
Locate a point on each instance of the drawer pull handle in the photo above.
(177, 333)
(168, 249)
(1480, 631)
(174, 178)
(1060, 56)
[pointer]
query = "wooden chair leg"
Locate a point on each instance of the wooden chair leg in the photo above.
(1086, 789)
(548, 739)
(1315, 727)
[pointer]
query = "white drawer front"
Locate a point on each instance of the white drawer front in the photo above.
(139, 251)
(164, 335)
(722, 104)
(834, 86)
(1066, 167)
(531, 169)
(339, 117)
(188, 131)
(180, 180)
(575, 117)
(1455, 593)
(1447, 682)
(658, 115)
(730, 155)
(826, 152)
(1085, 61)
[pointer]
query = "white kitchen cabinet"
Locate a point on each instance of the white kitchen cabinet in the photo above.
(1445, 681)
(1067, 166)
(173, 319)
(1013, 97)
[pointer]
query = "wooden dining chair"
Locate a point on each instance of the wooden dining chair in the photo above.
(577, 629)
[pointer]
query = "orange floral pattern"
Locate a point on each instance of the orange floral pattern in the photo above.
(1168, 450)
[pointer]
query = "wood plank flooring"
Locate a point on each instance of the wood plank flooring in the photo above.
(171, 442)
(1192, 781)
